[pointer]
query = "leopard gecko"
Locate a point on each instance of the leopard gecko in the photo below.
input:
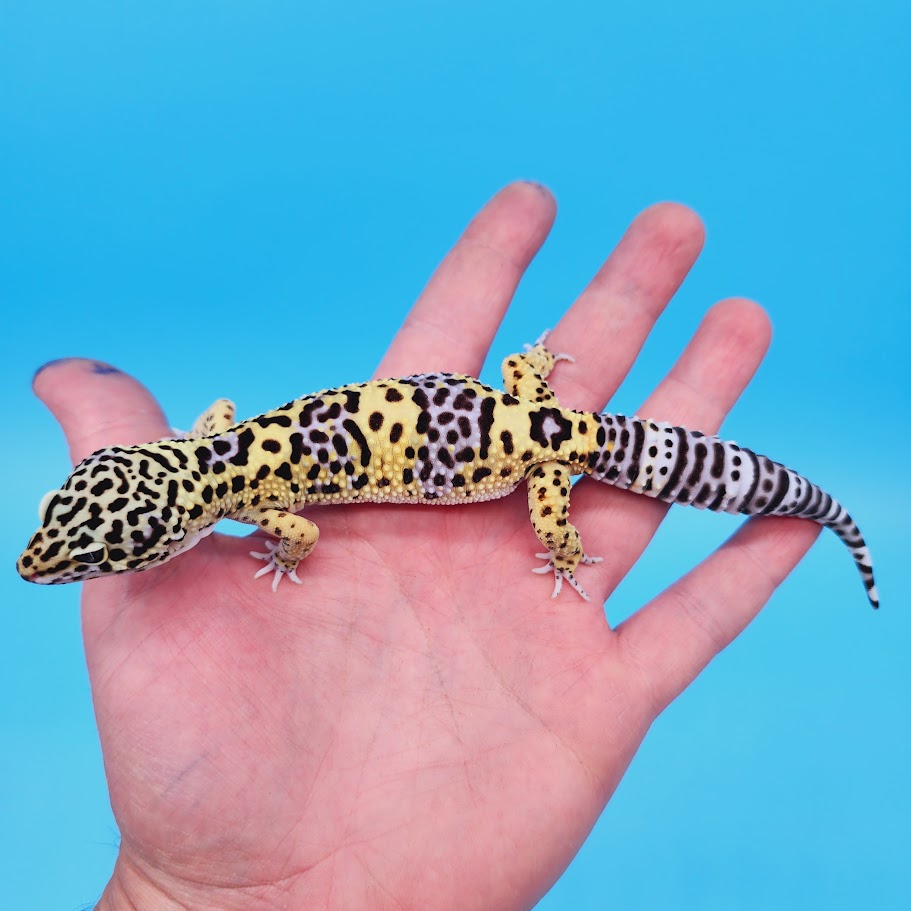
(436, 438)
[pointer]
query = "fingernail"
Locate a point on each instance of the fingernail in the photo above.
(96, 366)
(53, 363)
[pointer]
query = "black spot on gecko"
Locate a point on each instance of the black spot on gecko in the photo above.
(305, 418)
(103, 485)
(352, 401)
(203, 454)
(561, 429)
(683, 447)
(279, 420)
(354, 431)
(66, 518)
(331, 413)
(485, 422)
(244, 441)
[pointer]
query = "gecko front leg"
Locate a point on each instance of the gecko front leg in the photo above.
(217, 418)
(297, 538)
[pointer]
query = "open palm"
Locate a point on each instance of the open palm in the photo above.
(419, 725)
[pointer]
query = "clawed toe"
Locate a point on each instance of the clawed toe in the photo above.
(561, 574)
(273, 566)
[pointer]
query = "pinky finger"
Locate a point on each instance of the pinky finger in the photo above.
(675, 636)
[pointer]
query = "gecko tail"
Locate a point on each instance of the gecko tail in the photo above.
(682, 466)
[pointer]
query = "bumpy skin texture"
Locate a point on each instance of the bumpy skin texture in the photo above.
(436, 438)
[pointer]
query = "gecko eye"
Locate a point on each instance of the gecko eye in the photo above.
(95, 554)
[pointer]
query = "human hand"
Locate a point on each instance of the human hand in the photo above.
(419, 724)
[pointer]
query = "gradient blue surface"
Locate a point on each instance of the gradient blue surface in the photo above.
(172, 174)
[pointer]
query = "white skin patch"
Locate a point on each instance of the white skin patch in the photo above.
(452, 439)
(224, 447)
(550, 427)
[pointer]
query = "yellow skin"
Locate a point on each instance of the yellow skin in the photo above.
(420, 726)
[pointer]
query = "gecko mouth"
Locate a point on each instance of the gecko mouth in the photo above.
(27, 570)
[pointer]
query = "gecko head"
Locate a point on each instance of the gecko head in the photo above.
(117, 512)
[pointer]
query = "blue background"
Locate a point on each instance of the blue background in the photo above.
(172, 173)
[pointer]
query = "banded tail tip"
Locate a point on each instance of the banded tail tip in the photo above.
(872, 594)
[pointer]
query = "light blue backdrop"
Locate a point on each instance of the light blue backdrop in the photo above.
(186, 188)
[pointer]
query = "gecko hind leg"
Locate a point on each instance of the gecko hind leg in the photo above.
(548, 509)
(560, 574)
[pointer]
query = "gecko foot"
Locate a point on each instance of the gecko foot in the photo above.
(561, 574)
(542, 338)
(272, 565)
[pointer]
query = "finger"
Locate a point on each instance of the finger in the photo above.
(457, 315)
(608, 324)
(675, 636)
(98, 405)
(697, 393)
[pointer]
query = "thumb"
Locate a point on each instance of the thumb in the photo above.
(98, 405)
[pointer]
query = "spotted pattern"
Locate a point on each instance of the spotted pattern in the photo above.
(684, 466)
(436, 438)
